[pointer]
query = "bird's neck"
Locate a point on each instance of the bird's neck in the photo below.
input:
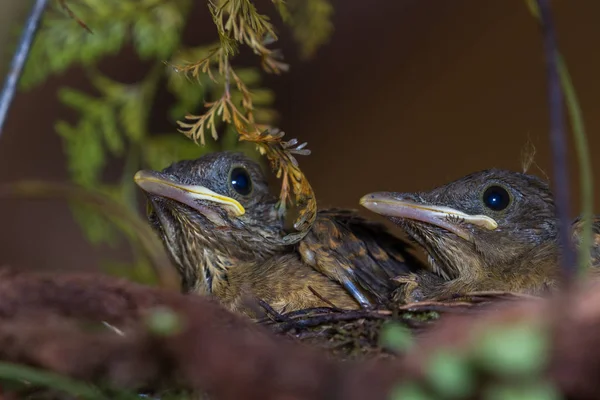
(532, 272)
(208, 259)
(206, 270)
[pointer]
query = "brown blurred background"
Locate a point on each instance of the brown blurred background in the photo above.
(407, 95)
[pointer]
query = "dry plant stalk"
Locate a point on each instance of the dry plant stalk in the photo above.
(238, 22)
(71, 14)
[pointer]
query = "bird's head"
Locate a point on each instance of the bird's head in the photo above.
(212, 212)
(478, 224)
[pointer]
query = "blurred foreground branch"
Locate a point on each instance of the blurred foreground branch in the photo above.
(558, 137)
(228, 356)
(138, 230)
(557, 68)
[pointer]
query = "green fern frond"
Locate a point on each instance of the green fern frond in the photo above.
(311, 24)
(114, 124)
(85, 151)
(153, 26)
(157, 32)
(190, 91)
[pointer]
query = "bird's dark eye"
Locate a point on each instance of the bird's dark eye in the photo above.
(496, 198)
(240, 181)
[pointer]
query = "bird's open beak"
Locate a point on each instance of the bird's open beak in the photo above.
(159, 185)
(393, 205)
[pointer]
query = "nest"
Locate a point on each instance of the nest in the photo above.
(53, 323)
(355, 334)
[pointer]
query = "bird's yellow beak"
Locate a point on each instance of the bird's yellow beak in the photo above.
(392, 205)
(157, 184)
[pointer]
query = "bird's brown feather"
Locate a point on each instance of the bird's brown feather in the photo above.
(343, 245)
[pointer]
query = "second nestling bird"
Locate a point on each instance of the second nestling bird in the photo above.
(219, 222)
(490, 230)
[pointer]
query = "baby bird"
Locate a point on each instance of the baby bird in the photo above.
(220, 225)
(490, 230)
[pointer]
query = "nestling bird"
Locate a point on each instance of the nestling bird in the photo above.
(577, 230)
(219, 222)
(490, 230)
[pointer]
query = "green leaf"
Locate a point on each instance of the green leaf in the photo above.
(144, 37)
(130, 102)
(133, 115)
(409, 391)
(533, 8)
(77, 100)
(395, 336)
(106, 123)
(518, 350)
(85, 154)
(230, 139)
(112, 137)
(63, 42)
(263, 97)
(450, 375)
(250, 76)
(311, 24)
(533, 391)
(97, 228)
(155, 28)
(164, 322)
(157, 32)
(109, 88)
(189, 92)
(283, 10)
(265, 115)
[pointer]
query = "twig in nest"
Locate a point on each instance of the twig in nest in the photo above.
(271, 313)
(323, 299)
(488, 295)
(302, 313)
(314, 317)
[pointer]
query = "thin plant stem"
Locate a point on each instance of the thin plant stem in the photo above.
(16, 66)
(585, 164)
(557, 138)
(581, 146)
